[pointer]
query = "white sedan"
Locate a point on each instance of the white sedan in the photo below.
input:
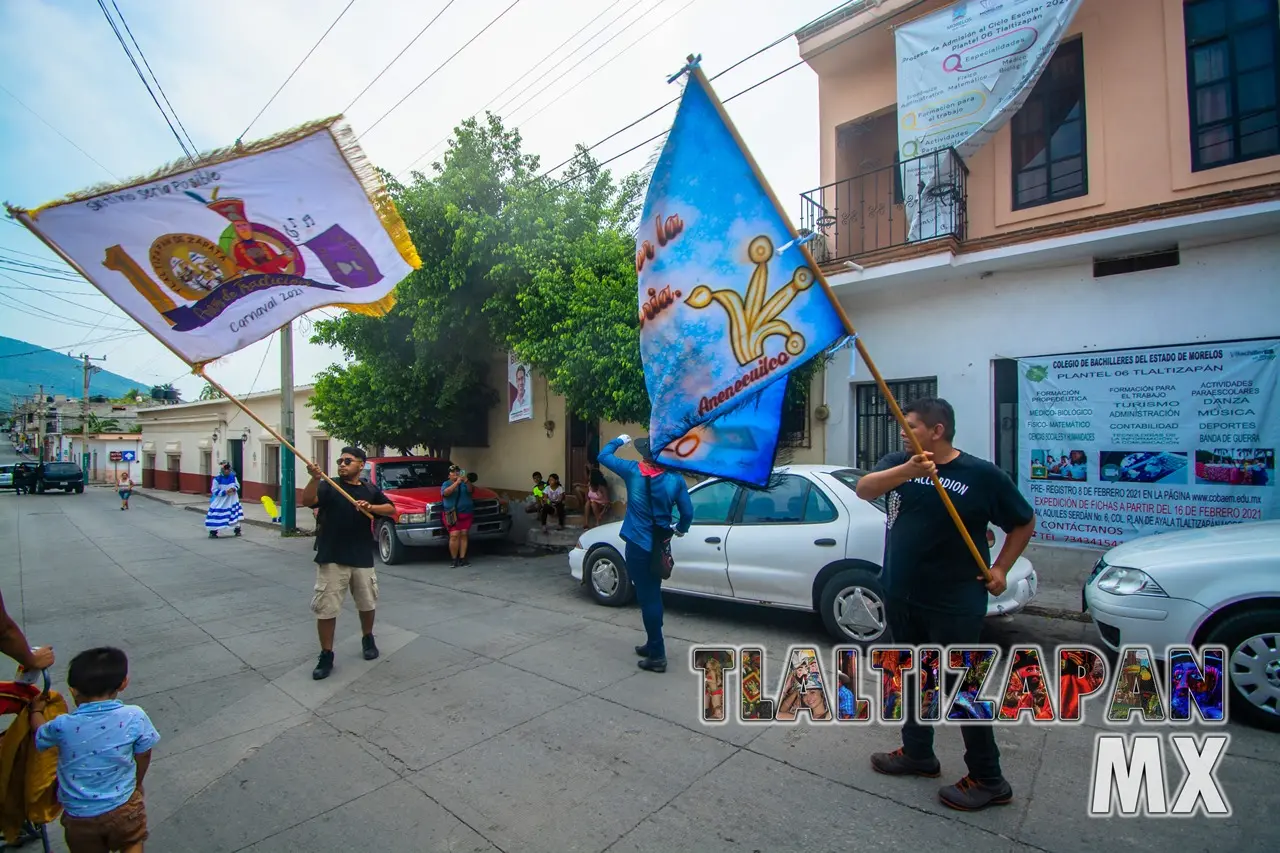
(806, 543)
(1214, 586)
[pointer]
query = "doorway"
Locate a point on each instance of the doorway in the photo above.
(582, 441)
(867, 200)
(173, 464)
(235, 455)
(271, 470)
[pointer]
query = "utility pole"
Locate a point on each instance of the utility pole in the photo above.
(40, 424)
(89, 369)
(288, 480)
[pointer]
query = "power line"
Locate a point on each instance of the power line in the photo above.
(125, 47)
(597, 49)
(502, 108)
(31, 255)
(272, 99)
(195, 148)
(740, 62)
(60, 133)
(658, 136)
(608, 62)
(67, 346)
(515, 82)
(398, 55)
(440, 67)
(52, 295)
(49, 315)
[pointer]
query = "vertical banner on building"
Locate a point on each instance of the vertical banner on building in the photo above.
(519, 390)
(1116, 445)
(963, 72)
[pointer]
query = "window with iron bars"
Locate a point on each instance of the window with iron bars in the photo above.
(878, 432)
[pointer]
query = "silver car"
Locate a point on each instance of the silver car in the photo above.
(6, 476)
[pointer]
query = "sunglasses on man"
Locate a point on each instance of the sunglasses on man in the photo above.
(348, 460)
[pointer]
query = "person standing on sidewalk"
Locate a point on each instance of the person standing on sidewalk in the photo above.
(652, 494)
(344, 552)
(935, 594)
(224, 503)
(459, 510)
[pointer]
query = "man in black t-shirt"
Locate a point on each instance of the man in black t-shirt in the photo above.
(935, 592)
(344, 552)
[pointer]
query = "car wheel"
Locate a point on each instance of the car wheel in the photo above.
(79, 490)
(390, 550)
(607, 578)
(853, 608)
(1253, 665)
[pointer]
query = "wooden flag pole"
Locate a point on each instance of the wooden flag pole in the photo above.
(695, 70)
(198, 370)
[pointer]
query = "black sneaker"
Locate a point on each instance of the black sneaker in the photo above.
(456, 562)
(898, 763)
(213, 534)
(324, 666)
(653, 664)
(370, 647)
(237, 531)
(464, 563)
(643, 651)
(970, 795)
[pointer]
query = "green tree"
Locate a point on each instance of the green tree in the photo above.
(99, 425)
(208, 392)
(130, 396)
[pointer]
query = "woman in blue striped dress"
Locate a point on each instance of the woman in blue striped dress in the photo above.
(224, 507)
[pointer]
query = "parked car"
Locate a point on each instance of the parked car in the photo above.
(412, 484)
(805, 543)
(66, 476)
(6, 476)
(1215, 585)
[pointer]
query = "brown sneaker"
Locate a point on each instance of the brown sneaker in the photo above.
(898, 763)
(970, 795)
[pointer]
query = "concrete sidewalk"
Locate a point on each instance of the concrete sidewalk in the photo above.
(254, 512)
(506, 713)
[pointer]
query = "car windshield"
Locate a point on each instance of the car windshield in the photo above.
(412, 475)
(849, 478)
(61, 469)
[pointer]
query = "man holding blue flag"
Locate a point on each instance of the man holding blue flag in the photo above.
(652, 494)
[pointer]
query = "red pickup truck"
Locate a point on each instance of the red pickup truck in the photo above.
(412, 484)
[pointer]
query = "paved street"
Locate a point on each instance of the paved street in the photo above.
(506, 712)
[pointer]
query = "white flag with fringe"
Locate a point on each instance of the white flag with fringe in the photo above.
(214, 257)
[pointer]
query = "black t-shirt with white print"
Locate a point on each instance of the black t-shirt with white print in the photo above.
(927, 563)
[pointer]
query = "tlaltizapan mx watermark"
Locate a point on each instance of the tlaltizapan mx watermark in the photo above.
(1028, 687)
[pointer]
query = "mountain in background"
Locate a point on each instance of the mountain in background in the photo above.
(23, 365)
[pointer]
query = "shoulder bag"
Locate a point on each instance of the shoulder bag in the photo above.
(661, 562)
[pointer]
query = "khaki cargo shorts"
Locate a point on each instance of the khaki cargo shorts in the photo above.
(332, 582)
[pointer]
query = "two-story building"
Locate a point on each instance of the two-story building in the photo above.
(1133, 200)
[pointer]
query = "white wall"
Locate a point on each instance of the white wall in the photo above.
(955, 329)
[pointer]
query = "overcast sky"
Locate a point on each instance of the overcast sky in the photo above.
(220, 63)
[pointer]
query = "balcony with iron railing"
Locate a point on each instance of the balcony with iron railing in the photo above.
(873, 211)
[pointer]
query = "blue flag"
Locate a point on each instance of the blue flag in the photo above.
(730, 303)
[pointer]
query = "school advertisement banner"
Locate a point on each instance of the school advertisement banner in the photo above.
(963, 72)
(1117, 445)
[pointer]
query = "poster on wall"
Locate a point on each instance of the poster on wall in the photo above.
(963, 72)
(519, 392)
(1117, 445)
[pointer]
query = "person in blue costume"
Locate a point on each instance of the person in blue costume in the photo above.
(224, 505)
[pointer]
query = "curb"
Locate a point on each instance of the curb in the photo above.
(268, 525)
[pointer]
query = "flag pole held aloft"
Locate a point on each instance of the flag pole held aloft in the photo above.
(734, 277)
(214, 256)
